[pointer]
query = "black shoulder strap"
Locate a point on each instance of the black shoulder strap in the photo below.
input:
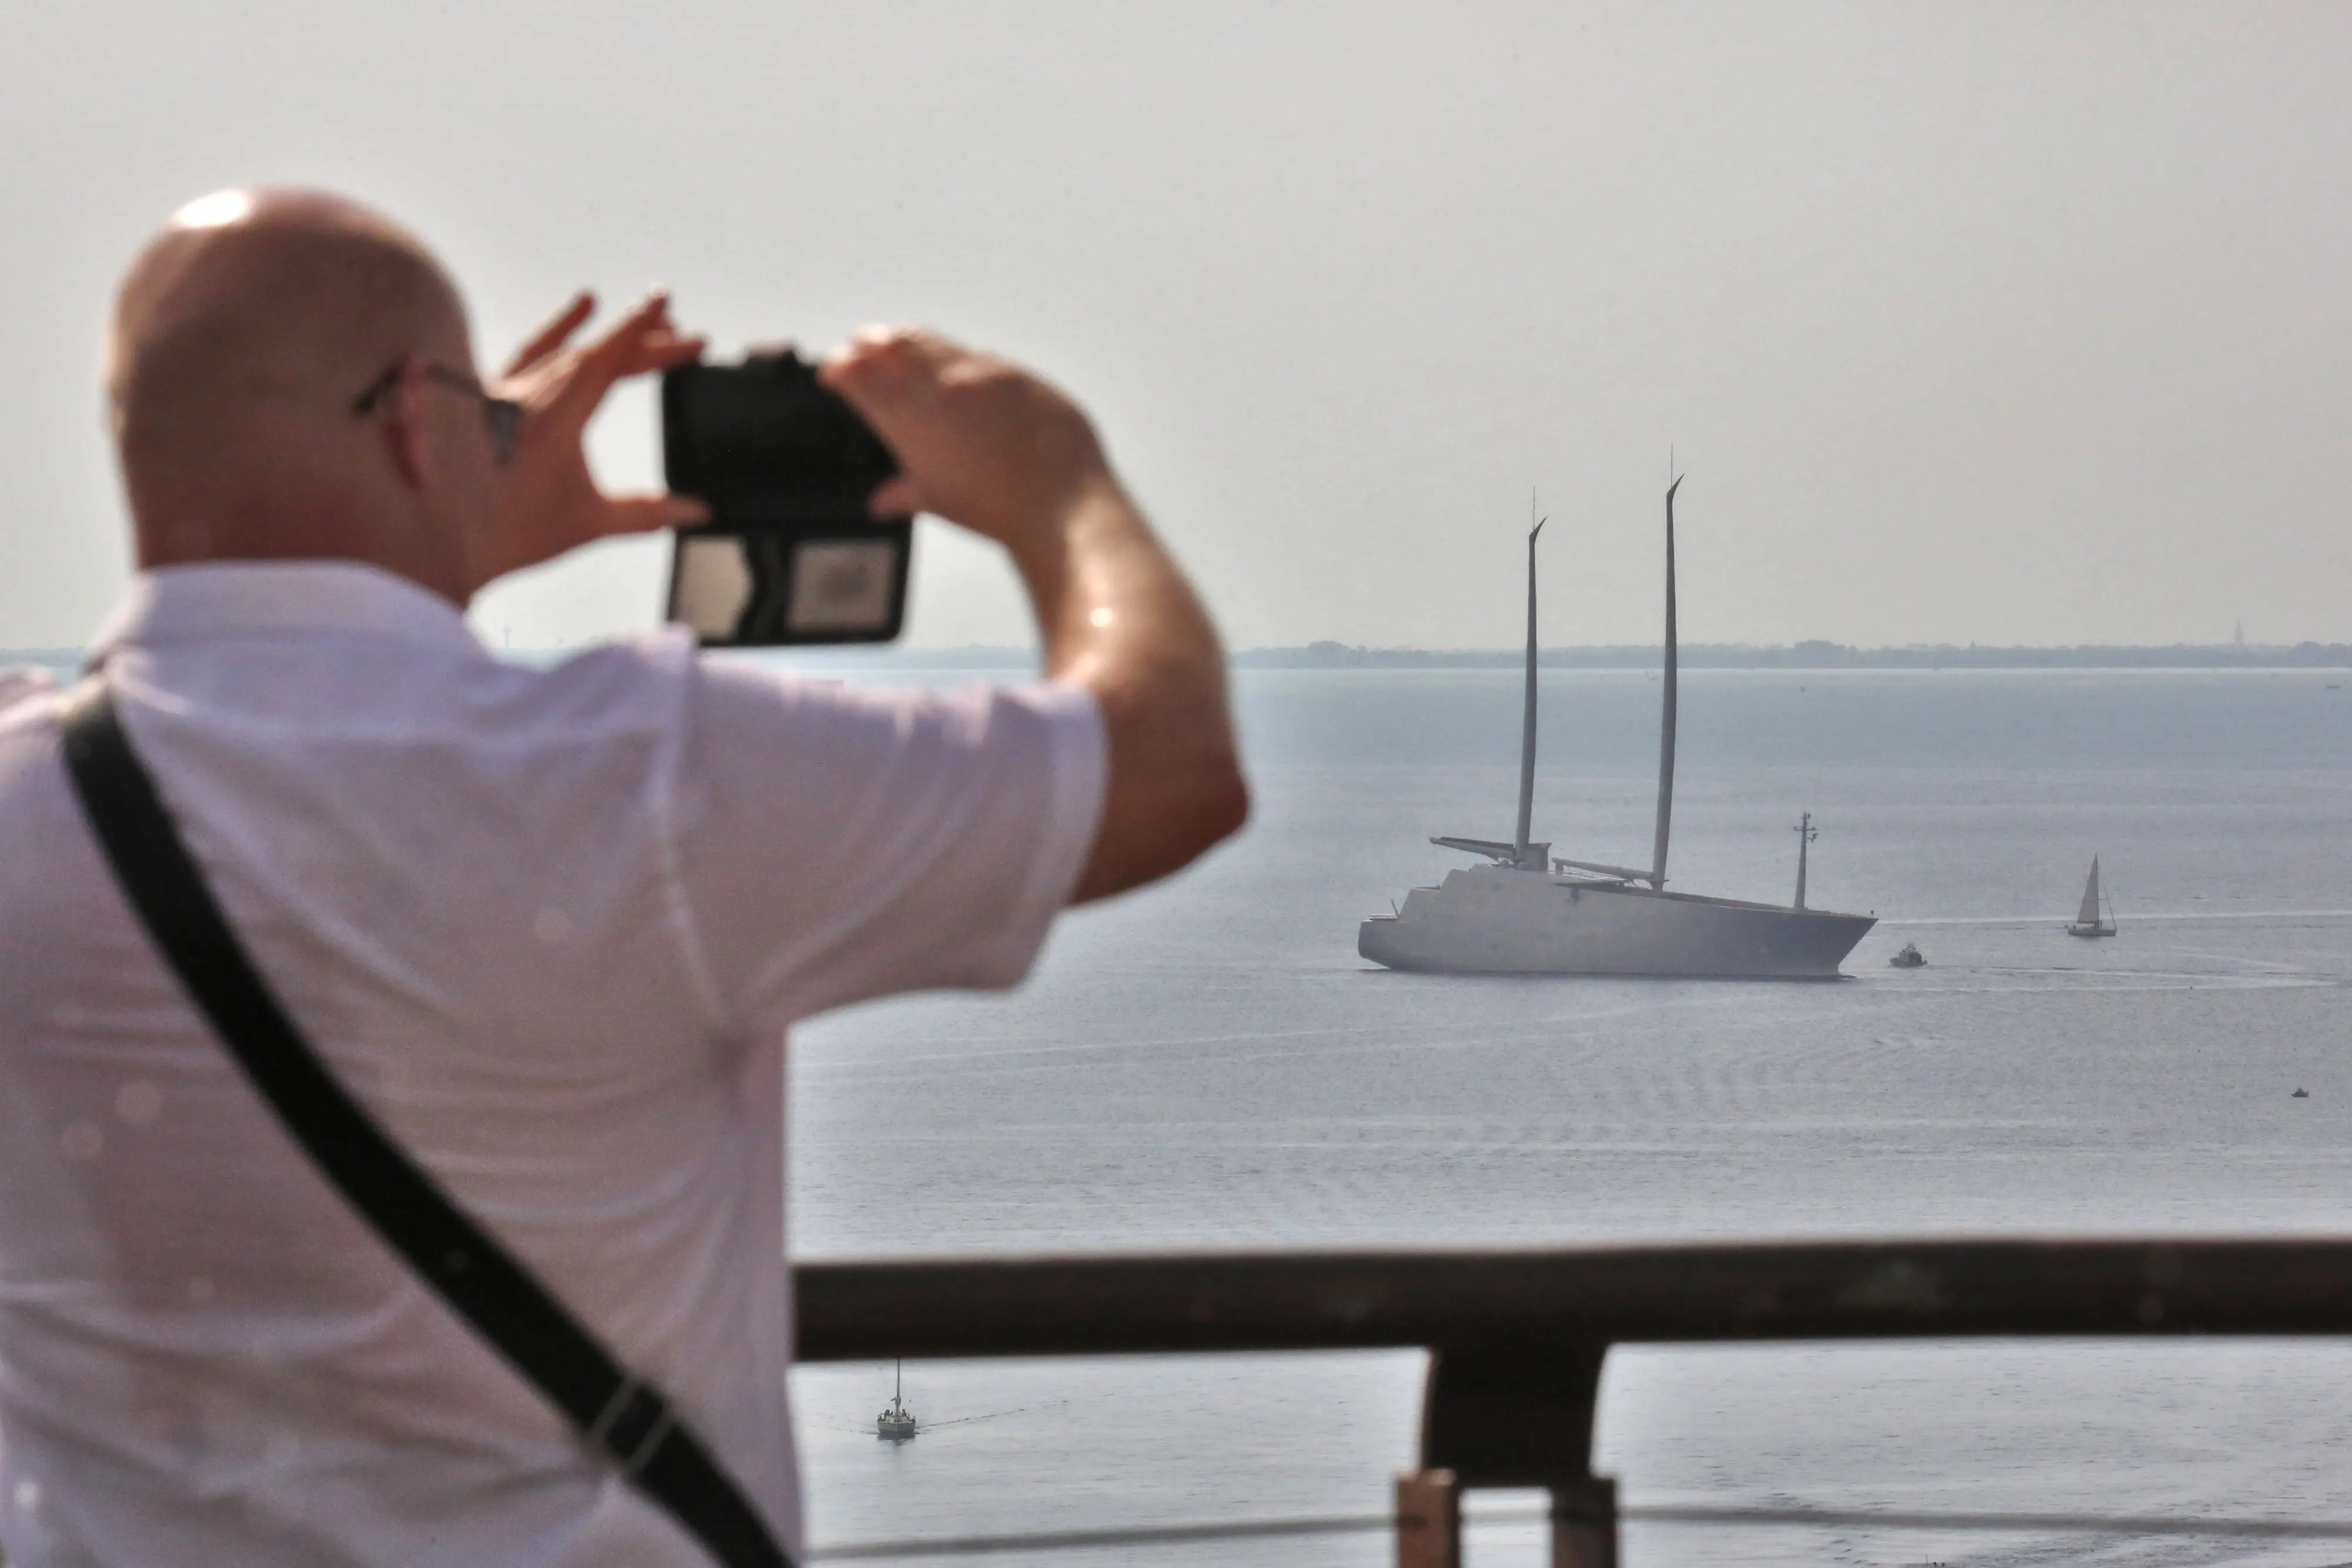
(627, 1422)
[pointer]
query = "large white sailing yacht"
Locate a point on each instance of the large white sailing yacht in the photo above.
(1527, 911)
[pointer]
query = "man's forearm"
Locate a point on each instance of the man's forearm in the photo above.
(1120, 618)
(986, 445)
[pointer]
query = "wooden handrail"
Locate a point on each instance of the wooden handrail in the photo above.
(1517, 1338)
(1148, 1303)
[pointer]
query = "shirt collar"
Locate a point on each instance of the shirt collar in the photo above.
(212, 601)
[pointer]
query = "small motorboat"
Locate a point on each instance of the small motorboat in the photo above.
(2300, 1094)
(896, 1423)
(1909, 959)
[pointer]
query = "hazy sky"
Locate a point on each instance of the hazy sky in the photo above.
(2005, 323)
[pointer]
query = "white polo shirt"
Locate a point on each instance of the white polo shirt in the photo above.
(550, 926)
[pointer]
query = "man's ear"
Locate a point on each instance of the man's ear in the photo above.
(402, 423)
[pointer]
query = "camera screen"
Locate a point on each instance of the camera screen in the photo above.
(765, 587)
(711, 585)
(841, 586)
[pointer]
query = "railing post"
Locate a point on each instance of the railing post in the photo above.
(1522, 1417)
(1584, 1523)
(1428, 1520)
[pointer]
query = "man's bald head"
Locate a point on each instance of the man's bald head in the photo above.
(240, 339)
(250, 295)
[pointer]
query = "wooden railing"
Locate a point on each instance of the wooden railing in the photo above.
(1517, 1339)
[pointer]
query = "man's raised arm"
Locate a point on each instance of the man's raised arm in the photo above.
(985, 445)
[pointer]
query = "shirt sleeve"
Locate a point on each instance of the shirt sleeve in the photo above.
(24, 683)
(837, 844)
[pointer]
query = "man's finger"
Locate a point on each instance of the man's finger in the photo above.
(892, 377)
(554, 335)
(899, 498)
(618, 354)
(645, 514)
(884, 355)
(650, 320)
(660, 352)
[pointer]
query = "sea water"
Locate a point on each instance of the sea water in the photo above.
(1208, 1064)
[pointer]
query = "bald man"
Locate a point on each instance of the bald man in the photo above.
(549, 926)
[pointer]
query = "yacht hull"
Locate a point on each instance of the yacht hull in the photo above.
(1497, 920)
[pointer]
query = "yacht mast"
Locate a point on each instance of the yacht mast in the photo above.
(1806, 834)
(1666, 724)
(1528, 723)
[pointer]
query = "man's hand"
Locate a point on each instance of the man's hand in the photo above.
(548, 500)
(986, 445)
(980, 442)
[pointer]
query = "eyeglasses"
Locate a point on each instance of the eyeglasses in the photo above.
(502, 414)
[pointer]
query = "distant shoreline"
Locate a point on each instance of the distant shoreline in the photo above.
(1817, 655)
(1808, 655)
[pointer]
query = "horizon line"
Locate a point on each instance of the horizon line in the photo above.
(2307, 654)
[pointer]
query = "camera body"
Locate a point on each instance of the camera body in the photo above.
(791, 554)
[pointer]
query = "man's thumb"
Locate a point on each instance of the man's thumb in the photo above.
(899, 498)
(647, 514)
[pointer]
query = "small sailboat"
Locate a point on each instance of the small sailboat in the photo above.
(1909, 959)
(2090, 921)
(896, 1423)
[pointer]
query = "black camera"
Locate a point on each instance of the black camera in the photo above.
(790, 554)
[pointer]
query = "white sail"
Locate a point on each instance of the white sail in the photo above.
(2089, 915)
